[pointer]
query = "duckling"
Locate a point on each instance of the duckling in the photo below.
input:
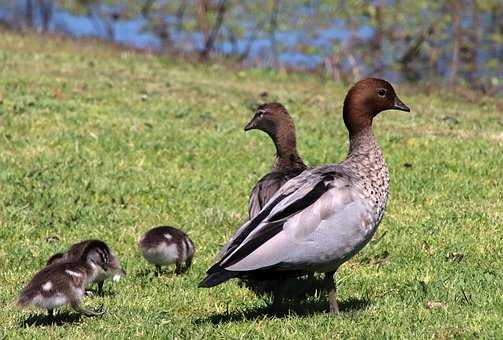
(64, 283)
(166, 245)
(114, 270)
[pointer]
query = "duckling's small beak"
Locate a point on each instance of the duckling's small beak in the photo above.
(399, 105)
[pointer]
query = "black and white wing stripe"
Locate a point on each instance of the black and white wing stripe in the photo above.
(267, 186)
(296, 195)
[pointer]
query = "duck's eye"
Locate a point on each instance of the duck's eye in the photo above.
(260, 113)
(381, 92)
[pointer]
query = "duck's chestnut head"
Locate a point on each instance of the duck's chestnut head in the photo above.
(270, 118)
(366, 99)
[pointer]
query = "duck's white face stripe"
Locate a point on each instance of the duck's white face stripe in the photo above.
(93, 265)
(71, 272)
(191, 247)
(168, 237)
(47, 286)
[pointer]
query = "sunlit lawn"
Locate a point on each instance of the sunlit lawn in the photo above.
(98, 142)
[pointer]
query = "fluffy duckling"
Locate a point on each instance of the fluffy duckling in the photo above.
(64, 283)
(166, 245)
(273, 119)
(114, 269)
(320, 219)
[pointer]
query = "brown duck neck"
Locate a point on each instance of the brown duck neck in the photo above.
(362, 142)
(287, 156)
(364, 157)
(358, 121)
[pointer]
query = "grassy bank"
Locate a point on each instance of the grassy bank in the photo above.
(98, 142)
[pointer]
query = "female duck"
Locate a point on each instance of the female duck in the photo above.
(273, 119)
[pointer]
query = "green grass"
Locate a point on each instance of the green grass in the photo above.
(99, 142)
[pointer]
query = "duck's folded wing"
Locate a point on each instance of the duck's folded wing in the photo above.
(296, 194)
(261, 193)
(254, 203)
(267, 187)
(295, 197)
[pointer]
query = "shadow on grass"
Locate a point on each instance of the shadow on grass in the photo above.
(153, 273)
(58, 319)
(293, 296)
(285, 310)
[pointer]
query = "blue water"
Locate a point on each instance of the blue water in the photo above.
(130, 32)
(134, 33)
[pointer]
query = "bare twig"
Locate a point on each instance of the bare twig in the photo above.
(29, 13)
(180, 12)
(456, 41)
(251, 39)
(273, 25)
(45, 9)
(211, 37)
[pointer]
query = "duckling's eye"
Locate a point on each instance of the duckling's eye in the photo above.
(381, 92)
(260, 113)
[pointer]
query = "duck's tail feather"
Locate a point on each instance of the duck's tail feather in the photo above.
(217, 277)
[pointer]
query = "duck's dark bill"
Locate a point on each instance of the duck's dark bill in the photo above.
(250, 125)
(399, 105)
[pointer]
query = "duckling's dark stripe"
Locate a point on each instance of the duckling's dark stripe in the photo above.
(179, 248)
(100, 247)
(55, 257)
(188, 248)
(103, 255)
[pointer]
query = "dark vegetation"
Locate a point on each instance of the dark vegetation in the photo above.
(451, 42)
